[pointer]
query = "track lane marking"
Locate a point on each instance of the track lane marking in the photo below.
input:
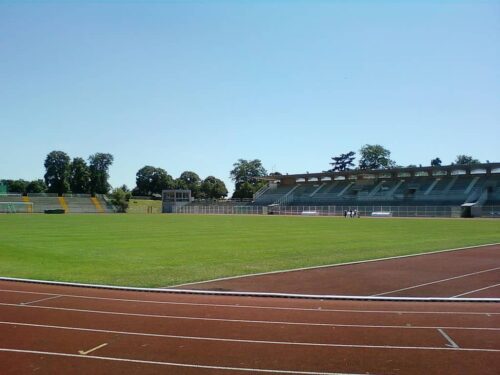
(243, 341)
(40, 300)
(451, 343)
(85, 352)
(241, 320)
(258, 307)
(477, 290)
(171, 364)
(335, 265)
(436, 282)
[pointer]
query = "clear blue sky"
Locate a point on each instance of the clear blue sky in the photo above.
(195, 85)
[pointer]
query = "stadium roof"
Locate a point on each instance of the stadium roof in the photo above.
(482, 168)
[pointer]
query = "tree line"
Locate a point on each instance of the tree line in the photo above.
(78, 176)
(379, 157)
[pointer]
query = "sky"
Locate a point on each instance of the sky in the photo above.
(197, 85)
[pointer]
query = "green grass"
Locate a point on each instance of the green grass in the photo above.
(160, 250)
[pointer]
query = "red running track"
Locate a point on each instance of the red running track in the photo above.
(48, 329)
(468, 273)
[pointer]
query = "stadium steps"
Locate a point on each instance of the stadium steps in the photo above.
(97, 204)
(63, 204)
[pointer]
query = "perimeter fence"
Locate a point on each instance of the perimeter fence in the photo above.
(395, 211)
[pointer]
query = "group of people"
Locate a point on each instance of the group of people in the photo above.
(351, 213)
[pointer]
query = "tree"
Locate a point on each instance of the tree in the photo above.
(466, 160)
(36, 186)
(119, 199)
(375, 157)
(99, 164)
(191, 181)
(151, 180)
(245, 175)
(343, 162)
(245, 190)
(57, 172)
(436, 162)
(17, 186)
(79, 176)
(214, 188)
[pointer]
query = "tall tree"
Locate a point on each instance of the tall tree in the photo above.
(436, 162)
(466, 160)
(57, 172)
(150, 180)
(213, 188)
(245, 174)
(191, 181)
(79, 176)
(375, 157)
(99, 164)
(343, 162)
(36, 186)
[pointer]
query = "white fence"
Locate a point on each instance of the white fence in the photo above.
(396, 211)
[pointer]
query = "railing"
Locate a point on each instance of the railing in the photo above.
(396, 211)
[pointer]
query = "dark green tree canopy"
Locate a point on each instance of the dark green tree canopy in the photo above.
(245, 174)
(343, 162)
(213, 188)
(191, 181)
(99, 164)
(79, 176)
(151, 180)
(436, 162)
(375, 157)
(57, 172)
(36, 186)
(466, 160)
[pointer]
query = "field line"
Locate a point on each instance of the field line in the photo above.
(477, 290)
(240, 306)
(171, 364)
(268, 322)
(438, 281)
(333, 265)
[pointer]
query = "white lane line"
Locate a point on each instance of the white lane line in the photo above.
(437, 281)
(241, 320)
(451, 343)
(477, 290)
(85, 352)
(40, 300)
(333, 265)
(171, 364)
(239, 306)
(244, 341)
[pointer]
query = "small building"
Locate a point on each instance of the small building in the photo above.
(173, 199)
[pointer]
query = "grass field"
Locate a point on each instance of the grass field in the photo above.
(161, 250)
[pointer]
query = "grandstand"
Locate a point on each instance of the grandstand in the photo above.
(450, 186)
(41, 202)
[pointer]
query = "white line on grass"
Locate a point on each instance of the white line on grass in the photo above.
(240, 306)
(171, 364)
(477, 290)
(332, 265)
(240, 320)
(244, 341)
(437, 281)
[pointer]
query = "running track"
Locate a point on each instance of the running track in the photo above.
(50, 329)
(472, 273)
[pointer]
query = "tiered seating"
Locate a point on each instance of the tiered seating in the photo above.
(446, 190)
(42, 203)
(80, 205)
